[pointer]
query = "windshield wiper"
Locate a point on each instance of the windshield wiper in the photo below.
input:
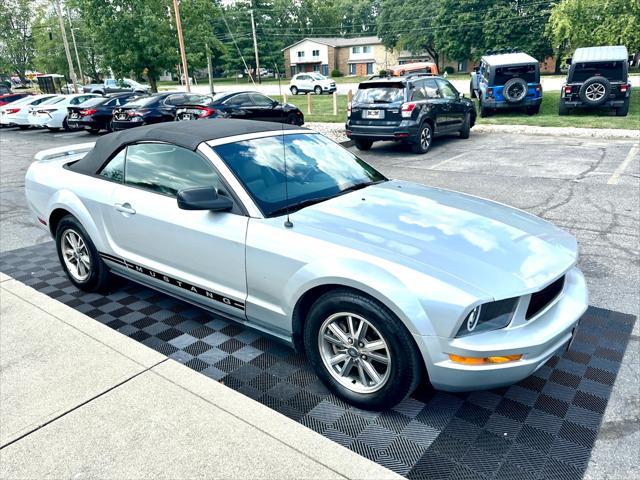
(359, 186)
(294, 207)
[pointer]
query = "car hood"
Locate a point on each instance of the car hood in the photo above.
(497, 249)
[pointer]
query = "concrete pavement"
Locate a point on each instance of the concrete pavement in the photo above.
(79, 399)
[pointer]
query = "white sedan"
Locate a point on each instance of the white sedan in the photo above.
(52, 114)
(16, 113)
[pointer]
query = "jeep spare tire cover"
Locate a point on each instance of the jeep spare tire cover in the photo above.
(515, 89)
(595, 91)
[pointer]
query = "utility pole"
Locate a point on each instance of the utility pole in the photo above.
(72, 72)
(255, 44)
(185, 70)
(209, 67)
(75, 47)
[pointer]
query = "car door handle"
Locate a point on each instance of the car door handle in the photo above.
(125, 208)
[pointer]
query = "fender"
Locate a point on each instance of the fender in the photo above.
(371, 279)
(67, 200)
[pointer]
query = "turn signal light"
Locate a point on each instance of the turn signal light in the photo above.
(489, 92)
(483, 360)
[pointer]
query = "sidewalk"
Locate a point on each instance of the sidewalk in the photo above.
(78, 399)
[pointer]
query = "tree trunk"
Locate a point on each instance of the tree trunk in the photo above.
(558, 65)
(153, 84)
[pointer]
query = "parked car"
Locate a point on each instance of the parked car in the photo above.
(17, 113)
(244, 105)
(11, 97)
(376, 280)
(96, 113)
(52, 113)
(157, 108)
(598, 77)
(112, 85)
(507, 81)
(412, 109)
(5, 87)
(416, 67)
(68, 88)
(311, 82)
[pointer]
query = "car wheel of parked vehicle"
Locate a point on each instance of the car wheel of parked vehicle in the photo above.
(423, 142)
(93, 131)
(363, 144)
(466, 126)
(53, 129)
(595, 91)
(623, 110)
(360, 350)
(294, 90)
(563, 109)
(484, 111)
(79, 257)
(23, 127)
(472, 92)
(534, 110)
(66, 126)
(515, 89)
(318, 90)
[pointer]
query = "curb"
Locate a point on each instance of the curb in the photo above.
(575, 132)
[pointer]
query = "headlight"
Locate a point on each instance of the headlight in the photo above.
(490, 316)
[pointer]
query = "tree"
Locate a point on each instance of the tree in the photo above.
(198, 24)
(583, 23)
(16, 41)
(136, 36)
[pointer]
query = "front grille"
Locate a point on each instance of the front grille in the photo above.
(544, 297)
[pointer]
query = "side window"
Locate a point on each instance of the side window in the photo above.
(167, 169)
(239, 100)
(174, 99)
(75, 101)
(261, 100)
(114, 170)
(447, 90)
(110, 83)
(431, 89)
(418, 92)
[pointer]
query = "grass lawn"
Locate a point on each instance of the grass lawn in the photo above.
(322, 111)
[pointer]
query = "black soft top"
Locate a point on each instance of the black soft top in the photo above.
(183, 134)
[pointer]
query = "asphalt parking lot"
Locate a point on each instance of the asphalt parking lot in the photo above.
(591, 187)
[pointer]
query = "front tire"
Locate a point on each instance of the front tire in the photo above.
(318, 90)
(465, 131)
(422, 143)
(79, 257)
(360, 350)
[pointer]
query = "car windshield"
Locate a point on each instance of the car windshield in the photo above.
(317, 76)
(379, 93)
(526, 72)
(317, 169)
(609, 70)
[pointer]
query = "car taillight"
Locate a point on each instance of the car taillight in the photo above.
(567, 90)
(88, 111)
(624, 88)
(538, 88)
(349, 109)
(9, 111)
(489, 92)
(407, 109)
(137, 113)
(207, 112)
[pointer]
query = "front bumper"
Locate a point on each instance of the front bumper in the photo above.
(537, 340)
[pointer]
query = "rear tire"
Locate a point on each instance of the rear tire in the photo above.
(294, 90)
(93, 131)
(484, 111)
(466, 127)
(388, 383)
(563, 109)
(422, 143)
(82, 263)
(363, 144)
(66, 126)
(623, 110)
(534, 110)
(23, 127)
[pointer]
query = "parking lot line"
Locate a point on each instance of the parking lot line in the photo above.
(623, 166)
(439, 164)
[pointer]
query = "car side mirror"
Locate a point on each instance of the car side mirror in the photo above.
(476, 69)
(203, 198)
(275, 104)
(568, 61)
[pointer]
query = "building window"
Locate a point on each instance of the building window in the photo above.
(316, 67)
(366, 49)
(316, 53)
(355, 49)
(369, 68)
(301, 54)
(325, 70)
(462, 66)
(352, 69)
(294, 70)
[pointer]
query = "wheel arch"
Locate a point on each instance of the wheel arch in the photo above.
(65, 203)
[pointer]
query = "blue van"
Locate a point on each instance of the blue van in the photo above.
(507, 81)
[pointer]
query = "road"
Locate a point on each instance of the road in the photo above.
(548, 84)
(590, 187)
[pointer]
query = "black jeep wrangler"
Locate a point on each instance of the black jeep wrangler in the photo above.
(598, 78)
(412, 109)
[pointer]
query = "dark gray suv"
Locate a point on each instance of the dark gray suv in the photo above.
(598, 78)
(411, 109)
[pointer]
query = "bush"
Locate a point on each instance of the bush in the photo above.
(336, 73)
(449, 70)
(383, 73)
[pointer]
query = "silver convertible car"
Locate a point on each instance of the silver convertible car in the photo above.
(382, 283)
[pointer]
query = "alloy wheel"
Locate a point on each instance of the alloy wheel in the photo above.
(76, 255)
(354, 352)
(425, 138)
(595, 92)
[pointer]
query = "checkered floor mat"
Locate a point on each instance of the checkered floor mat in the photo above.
(543, 427)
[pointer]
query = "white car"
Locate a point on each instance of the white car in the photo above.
(52, 114)
(311, 82)
(16, 113)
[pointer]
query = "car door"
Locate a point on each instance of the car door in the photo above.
(438, 106)
(200, 254)
(304, 83)
(451, 98)
(238, 106)
(264, 108)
